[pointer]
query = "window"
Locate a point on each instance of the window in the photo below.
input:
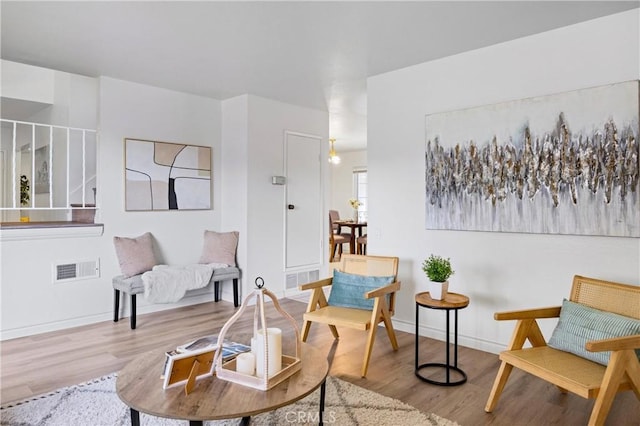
(360, 192)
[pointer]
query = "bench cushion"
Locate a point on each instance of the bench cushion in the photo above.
(135, 285)
(130, 285)
(579, 324)
(221, 274)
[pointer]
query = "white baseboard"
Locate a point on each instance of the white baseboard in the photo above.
(463, 340)
(105, 316)
(53, 326)
(406, 326)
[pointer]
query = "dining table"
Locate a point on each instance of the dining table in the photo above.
(353, 226)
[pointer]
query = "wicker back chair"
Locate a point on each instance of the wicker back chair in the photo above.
(571, 372)
(319, 310)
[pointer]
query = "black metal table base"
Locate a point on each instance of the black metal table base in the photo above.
(447, 365)
(135, 414)
(448, 368)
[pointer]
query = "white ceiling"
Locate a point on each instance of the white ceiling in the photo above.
(313, 54)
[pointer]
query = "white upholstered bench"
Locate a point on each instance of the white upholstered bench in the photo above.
(134, 285)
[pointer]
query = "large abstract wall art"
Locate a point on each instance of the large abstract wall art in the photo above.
(167, 176)
(562, 164)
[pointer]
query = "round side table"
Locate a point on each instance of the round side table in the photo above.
(452, 302)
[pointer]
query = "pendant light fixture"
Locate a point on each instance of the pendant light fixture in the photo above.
(333, 157)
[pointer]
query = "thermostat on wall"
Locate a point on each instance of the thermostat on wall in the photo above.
(278, 180)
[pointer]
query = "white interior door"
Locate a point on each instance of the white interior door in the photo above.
(303, 200)
(3, 200)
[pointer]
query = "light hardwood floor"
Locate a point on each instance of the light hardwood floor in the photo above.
(41, 363)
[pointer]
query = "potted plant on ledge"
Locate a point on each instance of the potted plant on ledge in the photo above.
(24, 197)
(438, 270)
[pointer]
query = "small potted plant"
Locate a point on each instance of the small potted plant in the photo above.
(438, 270)
(24, 196)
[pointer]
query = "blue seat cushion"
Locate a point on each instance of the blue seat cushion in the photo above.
(579, 324)
(347, 290)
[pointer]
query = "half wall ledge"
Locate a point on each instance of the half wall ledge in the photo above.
(15, 231)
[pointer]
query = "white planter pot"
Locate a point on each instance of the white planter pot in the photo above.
(438, 291)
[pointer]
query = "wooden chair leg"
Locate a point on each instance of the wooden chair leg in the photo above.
(334, 331)
(633, 372)
(306, 326)
(498, 386)
(388, 325)
(368, 349)
(610, 383)
(332, 253)
(116, 305)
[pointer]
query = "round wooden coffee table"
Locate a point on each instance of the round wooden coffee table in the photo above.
(139, 386)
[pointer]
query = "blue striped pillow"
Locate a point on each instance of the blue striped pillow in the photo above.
(579, 324)
(347, 290)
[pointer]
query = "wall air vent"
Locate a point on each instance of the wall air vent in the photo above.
(74, 271)
(292, 281)
(298, 278)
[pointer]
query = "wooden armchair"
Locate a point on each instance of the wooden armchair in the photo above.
(571, 372)
(319, 310)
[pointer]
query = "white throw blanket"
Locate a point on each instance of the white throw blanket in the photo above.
(168, 284)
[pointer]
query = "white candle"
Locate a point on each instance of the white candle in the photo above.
(274, 356)
(254, 345)
(246, 363)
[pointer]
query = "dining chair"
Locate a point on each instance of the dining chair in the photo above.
(361, 244)
(336, 237)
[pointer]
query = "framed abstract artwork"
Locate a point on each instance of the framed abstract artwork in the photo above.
(566, 163)
(167, 176)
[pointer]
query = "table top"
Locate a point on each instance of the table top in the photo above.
(350, 223)
(451, 301)
(139, 386)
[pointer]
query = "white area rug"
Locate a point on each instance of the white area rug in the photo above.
(96, 403)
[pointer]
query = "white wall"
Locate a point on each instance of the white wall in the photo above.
(498, 271)
(130, 110)
(235, 147)
(243, 199)
(342, 181)
(26, 82)
(30, 302)
(253, 133)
